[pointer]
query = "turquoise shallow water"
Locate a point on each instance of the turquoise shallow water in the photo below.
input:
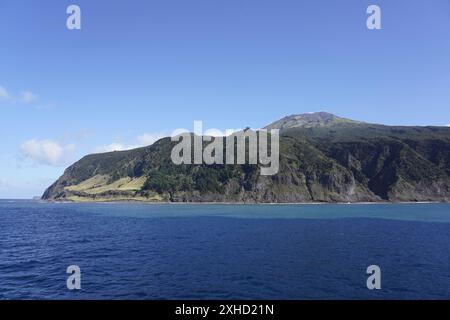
(426, 212)
(165, 251)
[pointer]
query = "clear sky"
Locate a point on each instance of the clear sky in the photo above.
(139, 69)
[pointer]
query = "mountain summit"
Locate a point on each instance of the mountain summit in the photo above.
(308, 120)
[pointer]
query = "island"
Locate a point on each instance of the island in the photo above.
(323, 158)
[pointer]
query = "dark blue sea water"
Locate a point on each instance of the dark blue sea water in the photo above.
(148, 251)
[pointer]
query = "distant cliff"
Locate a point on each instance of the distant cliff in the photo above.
(323, 158)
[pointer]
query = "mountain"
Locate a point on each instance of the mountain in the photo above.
(323, 158)
(308, 120)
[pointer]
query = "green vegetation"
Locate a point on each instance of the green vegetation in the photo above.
(322, 159)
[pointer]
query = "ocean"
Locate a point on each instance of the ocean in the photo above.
(170, 251)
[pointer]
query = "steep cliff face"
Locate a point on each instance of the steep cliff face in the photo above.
(323, 158)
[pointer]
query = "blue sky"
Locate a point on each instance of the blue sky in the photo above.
(139, 69)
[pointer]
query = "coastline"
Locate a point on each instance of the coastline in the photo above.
(235, 203)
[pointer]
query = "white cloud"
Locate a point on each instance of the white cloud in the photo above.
(115, 146)
(209, 132)
(147, 139)
(47, 152)
(178, 132)
(214, 133)
(448, 125)
(28, 97)
(219, 133)
(4, 95)
(142, 140)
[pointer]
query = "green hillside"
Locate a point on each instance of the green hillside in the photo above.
(323, 158)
